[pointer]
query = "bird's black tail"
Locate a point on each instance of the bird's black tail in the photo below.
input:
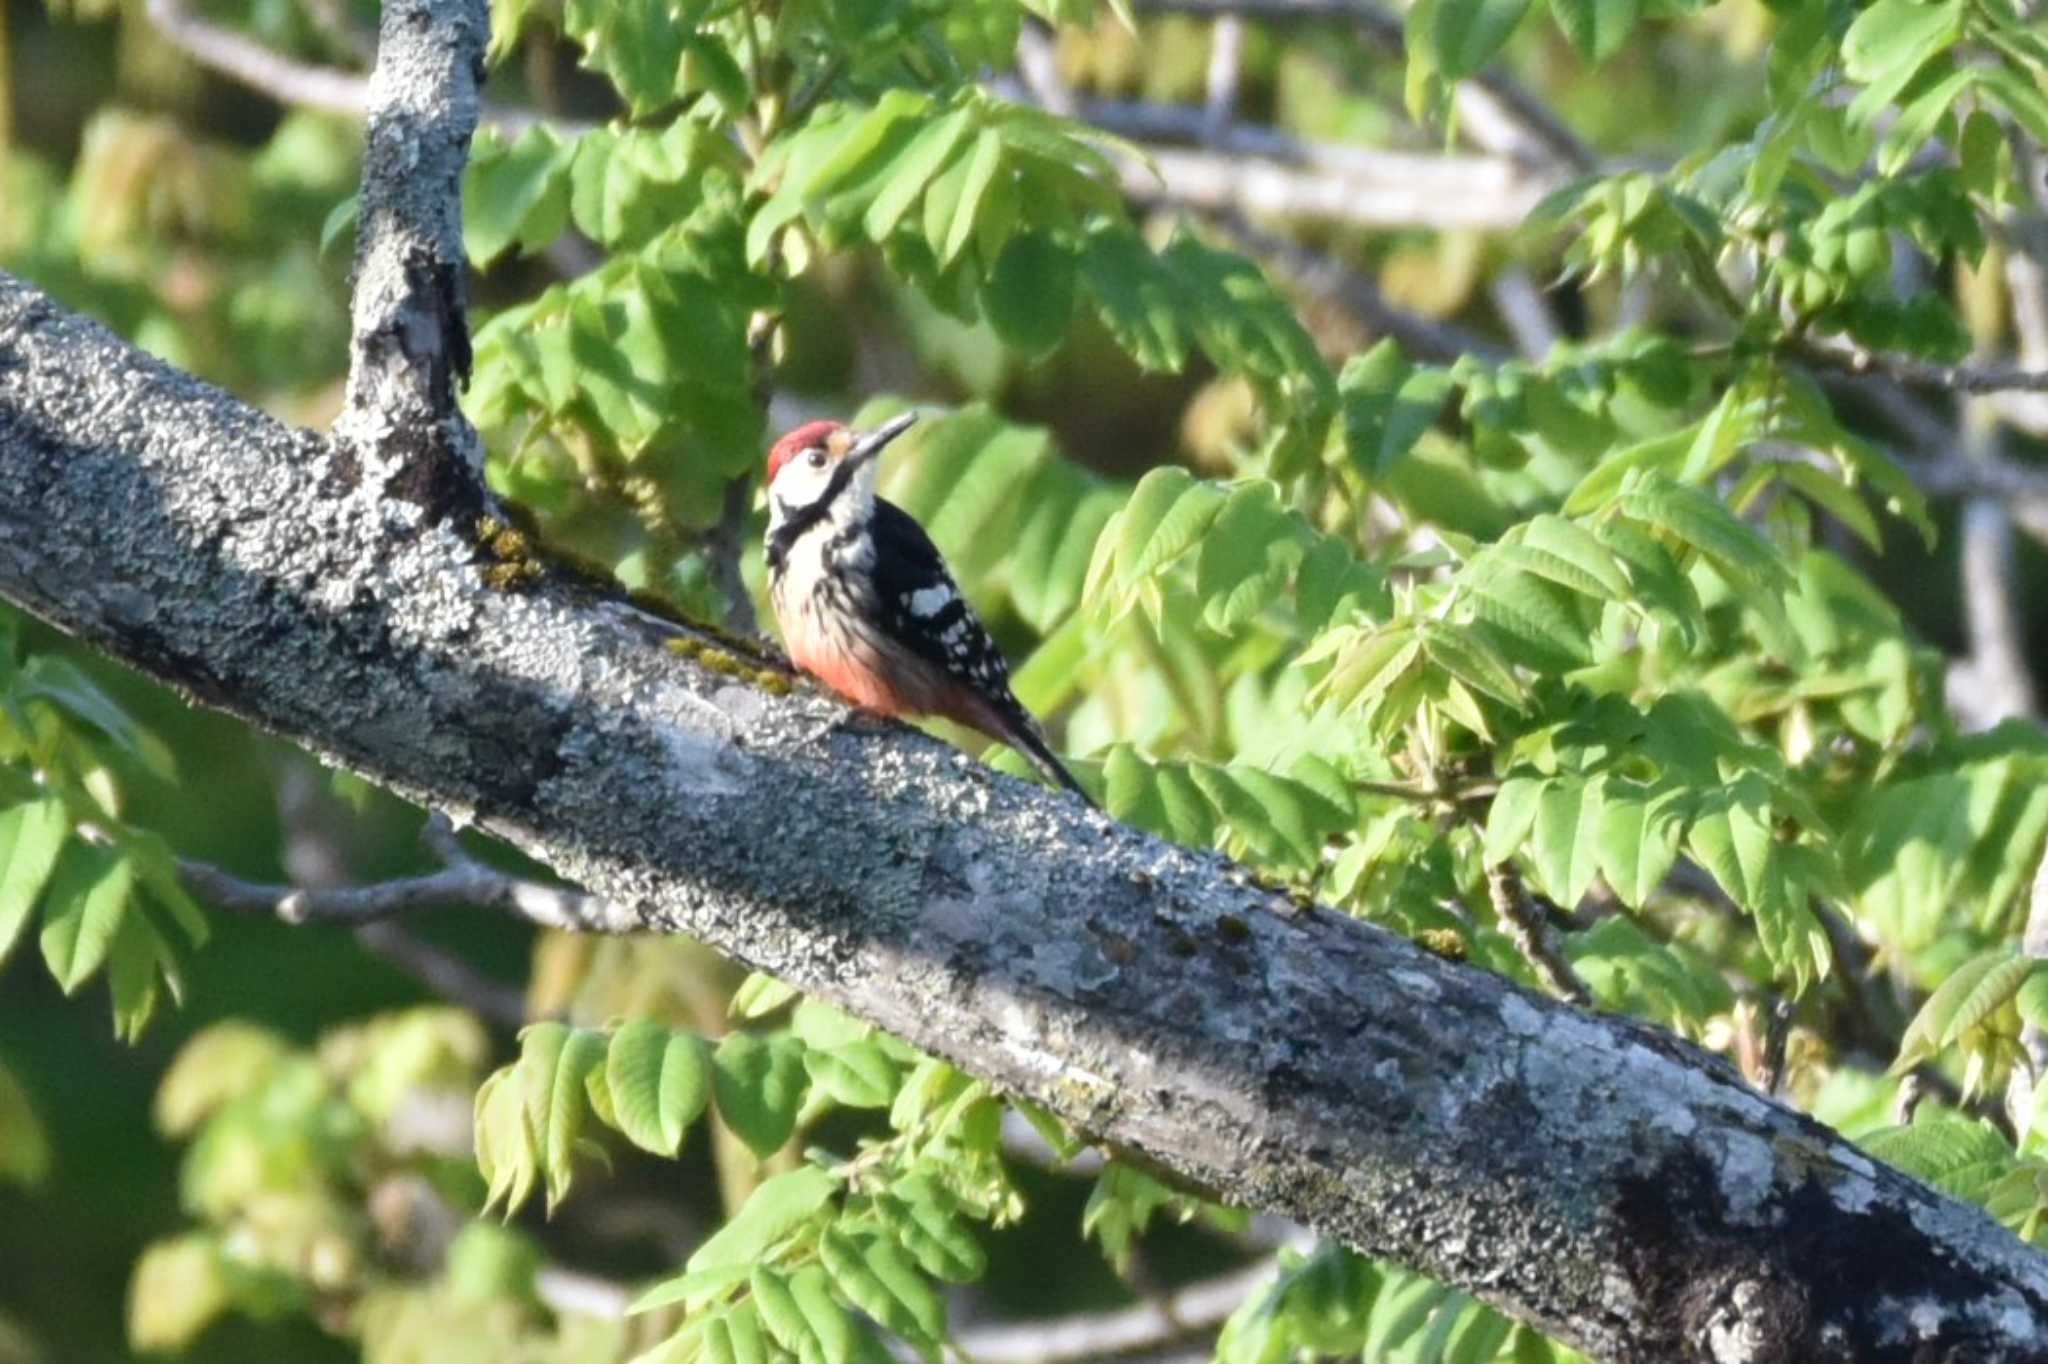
(1028, 741)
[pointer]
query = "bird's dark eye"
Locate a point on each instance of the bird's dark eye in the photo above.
(815, 457)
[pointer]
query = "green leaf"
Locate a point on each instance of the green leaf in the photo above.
(1167, 515)
(759, 995)
(1733, 841)
(555, 1062)
(1655, 579)
(2032, 999)
(807, 1319)
(1160, 797)
(1696, 518)
(1666, 452)
(1971, 993)
(179, 1289)
(1417, 405)
(1982, 152)
(505, 1154)
(516, 194)
(822, 1027)
(47, 677)
(625, 188)
(1888, 44)
(708, 65)
(920, 1213)
(1512, 816)
(861, 140)
(1373, 665)
(1134, 298)
(857, 1074)
(1836, 498)
(31, 836)
(1597, 28)
(1470, 32)
(24, 1145)
(1122, 1205)
(1465, 654)
(156, 866)
(137, 960)
(775, 1210)
(1991, 992)
(921, 161)
(86, 899)
(759, 1085)
(637, 43)
(214, 1068)
(1895, 489)
(693, 1288)
(1569, 555)
(1720, 436)
(1638, 839)
(881, 1280)
(1529, 621)
(340, 225)
(659, 1083)
(949, 232)
(1941, 1150)
(780, 1313)
(1918, 122)
(1366, 393)
(1565, 843)
(1029, 293)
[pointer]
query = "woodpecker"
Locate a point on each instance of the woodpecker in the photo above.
(865, 602)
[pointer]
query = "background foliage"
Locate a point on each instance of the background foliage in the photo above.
(1574, 584)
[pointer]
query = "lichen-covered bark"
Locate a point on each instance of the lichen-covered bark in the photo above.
(1588, 1174)
(410, 347)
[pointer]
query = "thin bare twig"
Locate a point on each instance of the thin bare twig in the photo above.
(1521, 305)
(1777, 1034)
(1182, 1314)
(463, 882)
(1226, 68)
(301, 85)
(1524, 924)
(444, 973)
(297, 84)
(723, 545)
(1993, 682)
(1907, 369)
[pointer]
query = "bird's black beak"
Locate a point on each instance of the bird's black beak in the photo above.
(871, 444)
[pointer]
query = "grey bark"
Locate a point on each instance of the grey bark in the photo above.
(410, 347)
(1588, 1174)
(1591, 1175)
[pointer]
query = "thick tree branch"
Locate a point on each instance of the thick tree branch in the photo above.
(1265, 174)
(1494, 110)
(1591, 1175)
(1588, 1174)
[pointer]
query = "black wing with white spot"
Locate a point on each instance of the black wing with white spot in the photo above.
(925, 608)
(927, 612)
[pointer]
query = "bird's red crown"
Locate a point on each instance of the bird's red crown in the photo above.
(803, 438)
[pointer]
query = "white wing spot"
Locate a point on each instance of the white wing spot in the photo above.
(929, 601)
